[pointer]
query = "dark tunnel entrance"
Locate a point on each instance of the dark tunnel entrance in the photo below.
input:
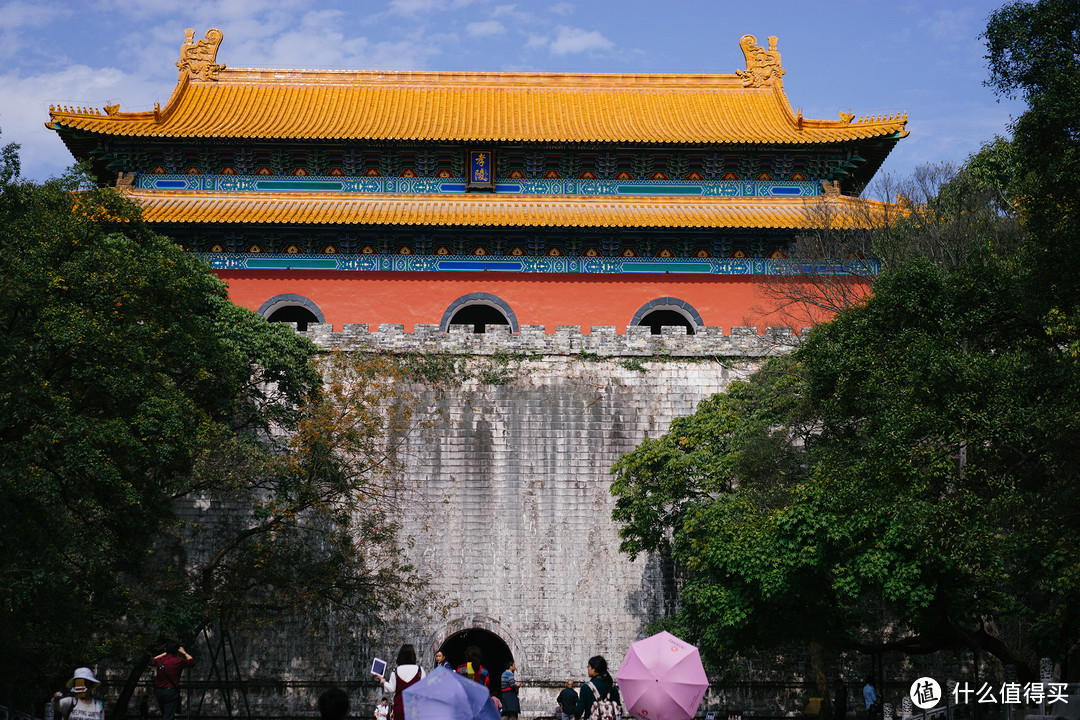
(494, 653)
(479, 316)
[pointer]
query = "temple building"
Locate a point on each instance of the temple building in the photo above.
(504, 198)
(556, 214)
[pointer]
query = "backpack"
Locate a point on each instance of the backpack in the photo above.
(474, 671)
(603, 708)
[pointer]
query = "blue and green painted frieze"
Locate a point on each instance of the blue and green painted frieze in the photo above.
(433, 186)
(532, 265)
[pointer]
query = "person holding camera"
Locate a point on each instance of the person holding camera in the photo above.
(80, 704)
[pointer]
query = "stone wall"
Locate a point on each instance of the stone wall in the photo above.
(509, 512)
(523, 538)
(637, 341)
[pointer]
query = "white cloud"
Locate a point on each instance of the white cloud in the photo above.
(536, 42)
(951, 25)
(19, 14)
(425, 8)
(563, 8)
(415, 7)
(570, 40)
(202, 14)
(487, 28)
(313, 49)
(25, 109)
(514, 16)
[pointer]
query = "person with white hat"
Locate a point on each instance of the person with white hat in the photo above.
(80, 704)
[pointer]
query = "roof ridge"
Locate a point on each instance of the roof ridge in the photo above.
(474, 78)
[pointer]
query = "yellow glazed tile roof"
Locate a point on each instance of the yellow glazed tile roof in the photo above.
(476, 107)
(494, 210)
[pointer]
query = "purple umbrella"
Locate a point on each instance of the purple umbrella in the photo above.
(662, 679)
(445, 695)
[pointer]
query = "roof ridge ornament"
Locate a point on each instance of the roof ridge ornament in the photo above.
(762, 66)
(198, 58)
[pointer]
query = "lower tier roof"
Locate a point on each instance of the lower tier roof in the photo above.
(487, 210)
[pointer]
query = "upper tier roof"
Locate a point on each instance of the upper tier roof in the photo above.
(213, 101)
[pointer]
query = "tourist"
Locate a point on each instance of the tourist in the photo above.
(601, 681)
(474, 670)
(334, 704)
(873, 705)
(441, 661)
(510, 705)
(382, 710)
(567, 701)
(405, 674)
(168, 666)
(80, 705)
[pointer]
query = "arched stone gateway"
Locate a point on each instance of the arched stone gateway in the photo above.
(496, 645)
(494, 653)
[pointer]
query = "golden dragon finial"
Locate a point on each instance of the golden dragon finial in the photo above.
(198, 58)
(762, 66)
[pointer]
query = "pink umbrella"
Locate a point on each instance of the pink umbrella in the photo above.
(662, 678)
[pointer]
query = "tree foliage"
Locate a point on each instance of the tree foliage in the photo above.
(901, 481)
(1033, 50)
(915, 489)
(132, 389)
(950, 216)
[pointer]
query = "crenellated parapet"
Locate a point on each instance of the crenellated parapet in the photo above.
(602, 341)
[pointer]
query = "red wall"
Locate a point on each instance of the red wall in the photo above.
(582, 300)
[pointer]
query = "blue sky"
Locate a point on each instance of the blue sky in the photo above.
(861, 56)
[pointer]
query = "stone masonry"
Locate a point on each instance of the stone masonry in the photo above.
(521, 540)
(508, 513)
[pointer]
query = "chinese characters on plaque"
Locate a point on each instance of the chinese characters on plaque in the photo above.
(481, 170)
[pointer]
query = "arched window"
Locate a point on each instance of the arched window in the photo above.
(479, 310)
(292, 308)
(668, 311)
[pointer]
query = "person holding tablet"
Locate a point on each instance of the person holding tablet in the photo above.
(405, 674)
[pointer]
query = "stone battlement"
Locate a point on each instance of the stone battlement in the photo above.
(602, 341)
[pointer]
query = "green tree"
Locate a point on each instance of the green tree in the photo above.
(297, 521)
(948, 215)
(131, 386)
(903, 480)
(1033, 50)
